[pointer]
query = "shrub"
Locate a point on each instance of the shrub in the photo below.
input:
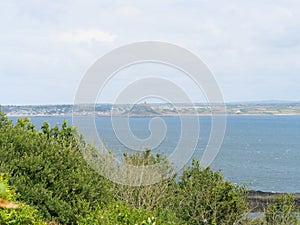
(146, 196)
(282, 211)
(200, 196)
(120, 213)
(48, 170)
(21, 213)
(203, 197)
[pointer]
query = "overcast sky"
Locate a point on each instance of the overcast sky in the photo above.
(252, 47)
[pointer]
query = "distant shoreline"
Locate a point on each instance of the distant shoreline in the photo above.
(150, 116)
(153, 110)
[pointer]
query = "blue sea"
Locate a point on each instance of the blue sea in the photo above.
(261, 151)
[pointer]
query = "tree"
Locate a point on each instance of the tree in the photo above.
(203, 197)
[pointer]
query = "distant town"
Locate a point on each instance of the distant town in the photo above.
(157, 109)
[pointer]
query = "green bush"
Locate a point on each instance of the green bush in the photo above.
(146, 196)
(282, 211)
(24, 214)
(200, 196)
(120, 213)
(203, 197)
(48, 170)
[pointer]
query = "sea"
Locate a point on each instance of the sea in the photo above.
(262, 152)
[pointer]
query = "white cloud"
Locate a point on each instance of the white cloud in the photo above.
(244, 42)
(85, 36)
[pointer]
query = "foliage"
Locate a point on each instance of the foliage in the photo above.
(48, 170)
(282, 211)
(120, 213)
(146, 196)
(253, 221)
(24, 214)
(203, 197)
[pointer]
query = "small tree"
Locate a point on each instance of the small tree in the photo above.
(203, 197)
(146, 196)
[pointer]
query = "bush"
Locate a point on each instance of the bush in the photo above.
(120, 213)
(282, 211)
(203, 197)
(200, 196)
(146, 196)
(48, 170)
(20, 213)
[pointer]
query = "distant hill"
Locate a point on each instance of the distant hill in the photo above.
(141, 109)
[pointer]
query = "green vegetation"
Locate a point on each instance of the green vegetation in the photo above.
(147, 196)
(282, 211)
(47, 180)
(203, 197)
(120, 213)
(47, 169)
(15, 212)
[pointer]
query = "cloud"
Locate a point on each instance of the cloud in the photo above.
(85, 36)
(244, 42)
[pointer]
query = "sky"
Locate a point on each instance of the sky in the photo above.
(46, 47)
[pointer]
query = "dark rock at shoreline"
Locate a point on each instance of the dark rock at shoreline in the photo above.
(258, 200)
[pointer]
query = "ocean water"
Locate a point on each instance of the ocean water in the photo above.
(261, 151)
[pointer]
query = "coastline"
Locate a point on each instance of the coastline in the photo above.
(258, 200)
(154, 110)
(154, 115)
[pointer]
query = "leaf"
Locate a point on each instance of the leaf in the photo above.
(3, 190)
